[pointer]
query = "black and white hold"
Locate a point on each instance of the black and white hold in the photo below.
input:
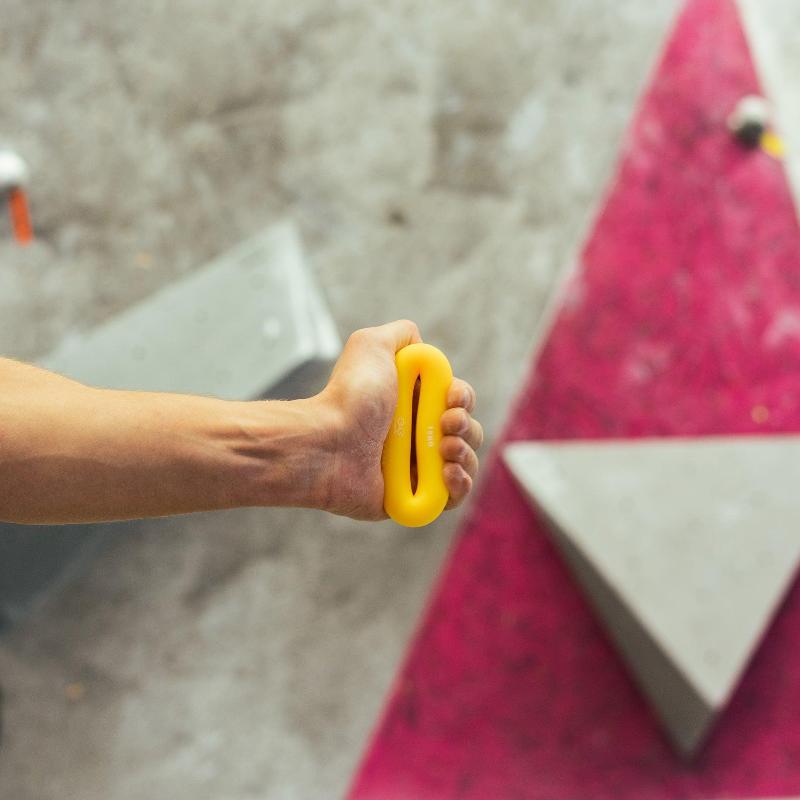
(750, 119)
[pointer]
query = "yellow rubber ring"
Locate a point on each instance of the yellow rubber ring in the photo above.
(416, 508)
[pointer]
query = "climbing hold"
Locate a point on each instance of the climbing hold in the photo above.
(750, 119)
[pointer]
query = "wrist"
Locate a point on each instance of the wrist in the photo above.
(290, 449)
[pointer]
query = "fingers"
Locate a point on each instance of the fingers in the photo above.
(392, 336)
(454, 449)
(458, 422)
(398, 334)
(458, 483)
(462, 437)
(461, 395)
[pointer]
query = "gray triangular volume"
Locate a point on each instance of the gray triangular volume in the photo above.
(234, 328)
(685, 547)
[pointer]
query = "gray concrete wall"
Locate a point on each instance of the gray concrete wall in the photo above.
(442, 160)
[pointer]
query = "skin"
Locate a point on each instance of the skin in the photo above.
(71, 453)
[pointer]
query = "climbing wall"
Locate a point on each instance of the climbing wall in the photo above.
(682, 318)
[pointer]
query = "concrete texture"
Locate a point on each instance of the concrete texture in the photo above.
(664, 536)
(442, 161)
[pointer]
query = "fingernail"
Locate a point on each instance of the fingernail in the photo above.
(465, 398)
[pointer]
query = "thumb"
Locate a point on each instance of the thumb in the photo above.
(397, 335)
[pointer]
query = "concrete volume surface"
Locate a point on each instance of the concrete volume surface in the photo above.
(231, 329)
(685, 547)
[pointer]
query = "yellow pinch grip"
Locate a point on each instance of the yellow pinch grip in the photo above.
(414, 509)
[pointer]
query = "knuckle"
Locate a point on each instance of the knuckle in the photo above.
(410, 324)
(358, 335)
(451, 472)
(458, 452)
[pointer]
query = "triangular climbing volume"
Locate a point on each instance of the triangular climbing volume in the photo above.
(684, 546)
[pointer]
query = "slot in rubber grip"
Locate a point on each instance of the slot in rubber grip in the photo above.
(414, 509)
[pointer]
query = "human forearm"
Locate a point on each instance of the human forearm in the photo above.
(69, 453)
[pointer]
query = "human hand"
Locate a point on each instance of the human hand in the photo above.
(359, 402)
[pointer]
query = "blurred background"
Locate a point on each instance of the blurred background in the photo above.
(441, 162)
